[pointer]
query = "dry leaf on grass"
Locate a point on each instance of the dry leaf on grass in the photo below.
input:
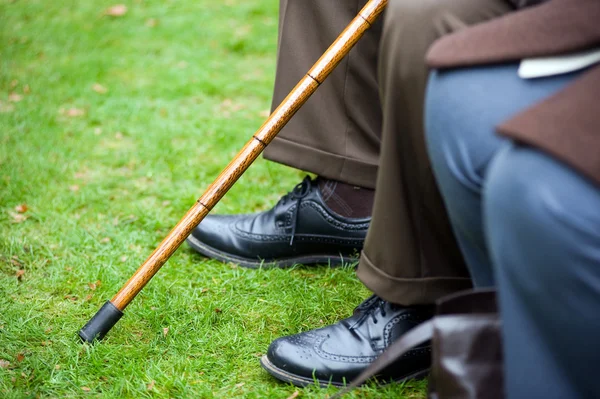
(150, 386)
(19, 274)
(72, 112)
(57, 367)
(105, 240)
(95, 285)
(165, 331)
(98, 88)
(14, 97)
(17, 217)
(294, 395)
(21, 208)
(86, 389)
(118, 10)
(74, 188)
(20, 357)
(4, 364)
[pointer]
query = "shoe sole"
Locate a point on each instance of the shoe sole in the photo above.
(303, 382)
(225, 257)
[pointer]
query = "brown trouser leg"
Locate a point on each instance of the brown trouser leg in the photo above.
(336, 133)
(410, 256)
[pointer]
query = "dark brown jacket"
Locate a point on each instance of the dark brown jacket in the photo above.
(567, 124)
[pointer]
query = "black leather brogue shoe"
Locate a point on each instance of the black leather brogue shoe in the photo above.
(299, 229)
(336, 354)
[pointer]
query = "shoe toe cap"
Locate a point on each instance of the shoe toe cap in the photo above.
(294, 354)
(216, 233)
(212, 229)
(300, 355)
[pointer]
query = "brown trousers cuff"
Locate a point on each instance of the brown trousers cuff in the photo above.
(407, 291)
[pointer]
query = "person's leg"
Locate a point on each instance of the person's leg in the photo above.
(462, 109)
(344, 349)
(543, 231)
(336, 133)
(410, 255)
(526, 219)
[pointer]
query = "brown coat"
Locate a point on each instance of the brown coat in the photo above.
(567, 124)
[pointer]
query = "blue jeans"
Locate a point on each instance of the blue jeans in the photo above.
(526, 223)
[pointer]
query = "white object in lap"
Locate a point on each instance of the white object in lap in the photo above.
(531, 68)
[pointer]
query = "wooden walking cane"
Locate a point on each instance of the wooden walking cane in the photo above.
(110, 313)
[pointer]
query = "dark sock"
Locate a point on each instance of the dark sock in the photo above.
(345, 199)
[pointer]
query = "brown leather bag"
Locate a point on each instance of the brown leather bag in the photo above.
(466, 348)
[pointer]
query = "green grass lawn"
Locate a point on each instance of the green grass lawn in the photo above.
(110, 128)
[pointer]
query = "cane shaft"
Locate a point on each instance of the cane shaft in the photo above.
(96, 328)
(298, 96)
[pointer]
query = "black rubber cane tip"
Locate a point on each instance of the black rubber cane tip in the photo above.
(101, 323)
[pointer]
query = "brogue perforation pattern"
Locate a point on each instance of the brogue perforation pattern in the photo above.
(387, 334)
(299, 237)
(340, 358)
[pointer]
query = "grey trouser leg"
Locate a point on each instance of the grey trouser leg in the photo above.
(527, 223)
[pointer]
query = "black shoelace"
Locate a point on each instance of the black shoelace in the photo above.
(301, 190)
(370, 311)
